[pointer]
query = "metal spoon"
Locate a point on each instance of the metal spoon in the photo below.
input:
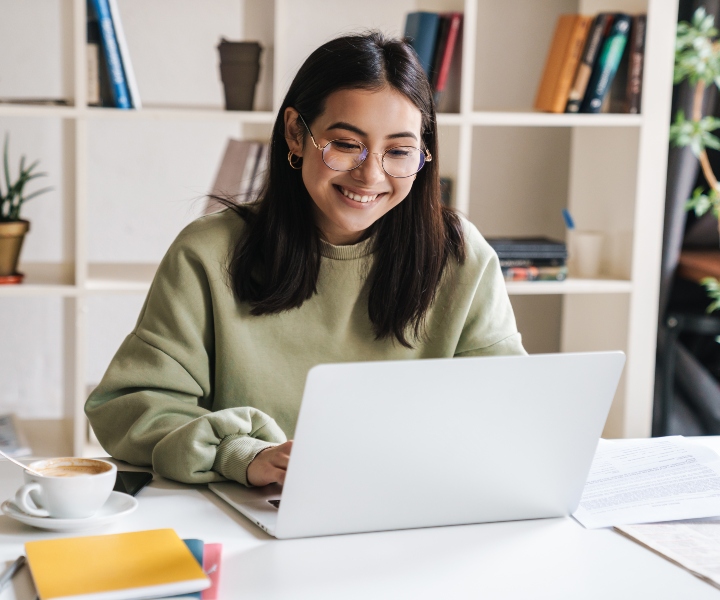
(19, 464)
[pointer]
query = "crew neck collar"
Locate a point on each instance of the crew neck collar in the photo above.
(349, 252)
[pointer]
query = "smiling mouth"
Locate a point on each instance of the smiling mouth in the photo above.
(357, 197)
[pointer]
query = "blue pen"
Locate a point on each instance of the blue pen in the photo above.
(567, 217)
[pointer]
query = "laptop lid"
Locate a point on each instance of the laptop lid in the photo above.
(421, 443)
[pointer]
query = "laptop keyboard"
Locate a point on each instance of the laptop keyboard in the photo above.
(275, 503)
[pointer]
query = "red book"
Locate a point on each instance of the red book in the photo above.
(447, 52)
(212, 559)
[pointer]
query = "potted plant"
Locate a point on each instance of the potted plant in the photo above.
(12, 227)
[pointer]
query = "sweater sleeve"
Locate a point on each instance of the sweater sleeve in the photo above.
(490, 328)
(154, 404)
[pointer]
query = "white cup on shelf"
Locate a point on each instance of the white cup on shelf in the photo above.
(585, 253)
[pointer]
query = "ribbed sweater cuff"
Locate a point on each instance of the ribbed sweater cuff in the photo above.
(234, 455)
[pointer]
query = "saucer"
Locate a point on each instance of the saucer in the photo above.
(117, 506)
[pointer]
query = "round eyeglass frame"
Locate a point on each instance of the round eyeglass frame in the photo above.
(427, 157)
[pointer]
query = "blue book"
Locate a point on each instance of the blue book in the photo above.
(197, 548)
(118, 83)
(421, 29)
(606, 65)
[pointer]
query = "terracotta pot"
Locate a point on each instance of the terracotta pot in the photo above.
(12, 234)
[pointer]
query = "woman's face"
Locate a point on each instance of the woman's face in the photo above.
(380, 120)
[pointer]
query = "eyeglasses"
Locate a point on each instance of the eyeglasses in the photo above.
(346, 154)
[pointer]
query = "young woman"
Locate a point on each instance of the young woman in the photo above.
(348, 255)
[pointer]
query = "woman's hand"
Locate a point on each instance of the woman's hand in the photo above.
(270, 465)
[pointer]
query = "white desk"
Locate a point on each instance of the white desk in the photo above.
(549, 558)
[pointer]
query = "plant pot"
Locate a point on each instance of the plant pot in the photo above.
(12, 234)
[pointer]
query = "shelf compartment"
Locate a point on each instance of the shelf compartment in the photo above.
(570, 286)
(120, 277)
(43, 279)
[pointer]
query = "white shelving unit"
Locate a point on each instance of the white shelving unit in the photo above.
(514, 169)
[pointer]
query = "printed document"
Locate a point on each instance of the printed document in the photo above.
(648, 481)
(694, 545)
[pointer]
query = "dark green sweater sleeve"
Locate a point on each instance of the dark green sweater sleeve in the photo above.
(154, 404)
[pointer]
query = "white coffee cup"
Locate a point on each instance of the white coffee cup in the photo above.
(67, 488)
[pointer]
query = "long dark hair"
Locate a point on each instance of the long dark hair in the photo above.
(275, 265)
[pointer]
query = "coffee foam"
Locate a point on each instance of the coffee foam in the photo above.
(70, 471)
(71, 467)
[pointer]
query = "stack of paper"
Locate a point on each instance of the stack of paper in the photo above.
(694, 545)
(648, 481)
(663, 493)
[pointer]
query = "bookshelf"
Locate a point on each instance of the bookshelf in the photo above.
(513, 169)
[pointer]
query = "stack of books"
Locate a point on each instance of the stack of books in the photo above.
(137, 564)
(531, 258)
(434, 37)
(595, 64)
(111, 79)
(241, 174)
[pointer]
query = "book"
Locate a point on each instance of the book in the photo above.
(260, 165)
(421, 30)
(235, 172)
(624, 96)
(532, 262)
(636, 63)
(248, 172)
(98, 84)
(606, 65)
(534, 273)
(212, 560)
(445, 52)
(111, 52)
(596, 35)
(562, 62)
(92, 57)
(530, 248)
(440, 42)
(209, 557)
(125, 55)
(197, 548)
(616, 99)
(12, 439)
(138, 564)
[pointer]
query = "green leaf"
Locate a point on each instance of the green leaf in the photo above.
(37, 193)
(712, 288)
(700, 202)
(696, 58)
(6, 163)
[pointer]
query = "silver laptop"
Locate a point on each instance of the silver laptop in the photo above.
(422, 443)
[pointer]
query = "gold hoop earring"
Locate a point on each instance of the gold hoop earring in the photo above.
(297, 165)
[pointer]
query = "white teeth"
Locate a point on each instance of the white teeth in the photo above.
(357, 197)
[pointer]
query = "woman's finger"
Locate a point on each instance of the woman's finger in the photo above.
(280, 460)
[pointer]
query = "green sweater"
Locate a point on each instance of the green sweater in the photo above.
(201, 385)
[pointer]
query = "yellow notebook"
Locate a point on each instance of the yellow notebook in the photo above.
(139, 564)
